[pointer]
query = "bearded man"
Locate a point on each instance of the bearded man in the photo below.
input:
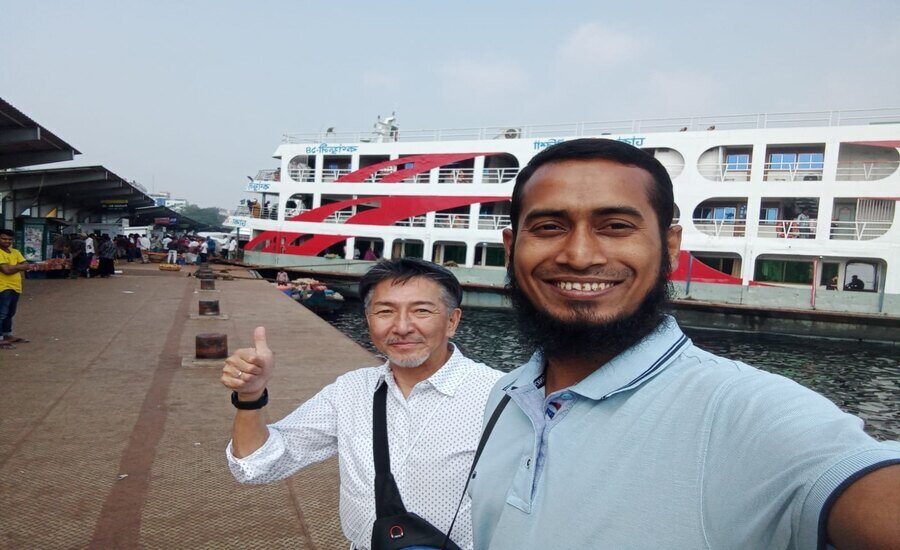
(432, 407)
(619, 432)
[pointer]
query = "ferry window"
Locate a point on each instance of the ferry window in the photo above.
(782, 271)
(768, 214)
(810, 161)
(724, 213)
(829, 275)
(865, 272)
(737, 162)
(782, 161)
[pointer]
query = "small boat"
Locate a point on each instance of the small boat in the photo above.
(313, 294)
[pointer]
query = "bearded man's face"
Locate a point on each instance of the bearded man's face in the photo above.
(588, 264)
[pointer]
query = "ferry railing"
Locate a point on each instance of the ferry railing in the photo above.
(268, 175)
(721, 171)
(865, 171)
(302, 175)
(787, 229)
(858, 230)
(261, 212)
(451, 221)
(499, 175)
(720, 228)
(793, 171)
(291, 212)
(493, 222)
(341, 216)
(332, 174)
(455, 175)
(612, 127)
(415, 221)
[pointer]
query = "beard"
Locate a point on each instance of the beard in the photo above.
(584, 333)
(406, 362)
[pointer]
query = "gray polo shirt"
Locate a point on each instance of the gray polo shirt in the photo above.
(666, 446)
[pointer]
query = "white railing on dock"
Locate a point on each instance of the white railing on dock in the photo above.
(720, 228)
(651, 125)
(858, 230)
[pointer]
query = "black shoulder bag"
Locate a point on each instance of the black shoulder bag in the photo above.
(394, 527)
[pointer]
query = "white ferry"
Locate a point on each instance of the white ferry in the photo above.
(787, 210)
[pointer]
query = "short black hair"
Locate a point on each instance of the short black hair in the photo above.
(402, 270)
(8, 233)
(661, 196)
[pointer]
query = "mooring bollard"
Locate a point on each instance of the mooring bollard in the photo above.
(209, 307)
(207, 284)
(211, 345)
(205, 274)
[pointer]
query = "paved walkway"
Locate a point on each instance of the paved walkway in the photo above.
(106, 441)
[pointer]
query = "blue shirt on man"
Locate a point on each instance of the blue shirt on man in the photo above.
(666, 446)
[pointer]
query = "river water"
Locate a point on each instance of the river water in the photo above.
(862, 379)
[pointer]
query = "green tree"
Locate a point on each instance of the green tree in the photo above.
(209, 216)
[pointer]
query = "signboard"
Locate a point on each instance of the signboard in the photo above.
(236, 221)
(258, 187)
(114, 204)
(165, 221)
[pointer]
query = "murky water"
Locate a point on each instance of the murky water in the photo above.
(863, 379)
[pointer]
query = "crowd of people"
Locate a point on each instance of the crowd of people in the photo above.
(92, 254)
(193, 249)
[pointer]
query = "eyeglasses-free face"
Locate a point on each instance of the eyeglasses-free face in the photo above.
(410, 323)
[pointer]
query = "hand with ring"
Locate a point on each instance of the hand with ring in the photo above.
(247, 370)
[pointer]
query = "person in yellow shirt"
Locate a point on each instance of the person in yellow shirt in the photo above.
(12, 265)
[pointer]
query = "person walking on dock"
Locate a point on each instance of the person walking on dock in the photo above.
(426, 400)
(12, 266)
(619, 432)
(107, 256)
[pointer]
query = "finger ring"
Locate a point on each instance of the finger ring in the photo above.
(240, 372)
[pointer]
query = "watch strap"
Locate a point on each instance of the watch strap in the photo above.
(250, 405)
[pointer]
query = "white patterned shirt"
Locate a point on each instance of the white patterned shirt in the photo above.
(432, 435)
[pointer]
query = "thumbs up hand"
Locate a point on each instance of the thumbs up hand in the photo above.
(247, 370)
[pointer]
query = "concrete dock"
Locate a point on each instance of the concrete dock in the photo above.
(107, 441)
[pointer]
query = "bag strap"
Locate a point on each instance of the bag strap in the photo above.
(488, 428)
(380, 449)
(388, 501)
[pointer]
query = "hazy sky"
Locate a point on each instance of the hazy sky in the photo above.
(193, 96)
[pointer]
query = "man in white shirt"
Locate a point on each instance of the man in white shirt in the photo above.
(435, 398)
(144, 247)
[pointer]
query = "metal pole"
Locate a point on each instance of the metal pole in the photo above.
(687, 279)
(812, 296)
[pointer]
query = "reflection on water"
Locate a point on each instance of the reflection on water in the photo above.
(863, 379)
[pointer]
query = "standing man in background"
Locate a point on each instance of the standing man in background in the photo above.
(12, 265)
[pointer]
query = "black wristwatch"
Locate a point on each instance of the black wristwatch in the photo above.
(250, 405)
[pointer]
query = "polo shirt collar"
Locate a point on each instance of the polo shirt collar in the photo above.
(446, 380)
(626, 371)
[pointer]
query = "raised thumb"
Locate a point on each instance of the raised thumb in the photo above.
(259, 339)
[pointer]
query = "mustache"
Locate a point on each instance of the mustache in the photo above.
(390, 341)
(599, 273)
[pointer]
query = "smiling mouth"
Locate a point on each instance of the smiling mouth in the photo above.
(584, 286)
